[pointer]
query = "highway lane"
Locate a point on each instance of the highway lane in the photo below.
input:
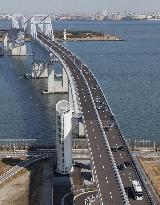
(100, 158)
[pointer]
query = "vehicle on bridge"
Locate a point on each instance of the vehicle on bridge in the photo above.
(137, 190)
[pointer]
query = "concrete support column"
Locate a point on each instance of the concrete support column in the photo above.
(39, 70)
(5, 42)
(18, 51)
(51, 82)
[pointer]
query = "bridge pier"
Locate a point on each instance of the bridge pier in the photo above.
(5, 42)
(51, 82)
(20, 50)
(39, 70)
(56, 83)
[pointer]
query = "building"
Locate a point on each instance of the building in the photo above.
(64, 137)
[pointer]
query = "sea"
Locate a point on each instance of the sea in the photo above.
(128, 72)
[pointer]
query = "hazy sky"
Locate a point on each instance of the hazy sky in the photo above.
(77, 5)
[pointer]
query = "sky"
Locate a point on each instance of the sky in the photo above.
(60, 6)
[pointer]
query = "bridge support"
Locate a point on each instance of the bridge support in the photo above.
(18, 51)
(56, 83)
(5, 42)
(39, 70)
(51, 82)
(64, 137)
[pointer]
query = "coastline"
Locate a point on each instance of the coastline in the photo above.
(85, 36)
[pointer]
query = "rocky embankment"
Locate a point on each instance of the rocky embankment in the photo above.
(86, 36)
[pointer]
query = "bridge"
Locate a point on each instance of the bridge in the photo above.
(107, 145)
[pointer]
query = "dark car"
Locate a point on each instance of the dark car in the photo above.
(121, 167)
(105, 109)
(121, 148)
(76, 164)
(98, 107)
(112, 124)
(106, 128)
(114, 149)
(127, 163)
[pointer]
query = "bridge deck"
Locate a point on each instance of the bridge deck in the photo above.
(107, 184)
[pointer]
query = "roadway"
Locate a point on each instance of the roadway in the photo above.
(14, 170)
(97, 115)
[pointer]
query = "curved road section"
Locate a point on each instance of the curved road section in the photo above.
(103, 134)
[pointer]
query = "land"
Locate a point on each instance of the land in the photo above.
(31, 186)
(152, 170)
(15, 191)
(86, 36)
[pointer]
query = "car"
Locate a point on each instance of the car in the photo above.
(98, 107)
(111, 125)
(121, 148)
(106, 128)
(105, 109)
(76, 164)
(96, 100)
(127, 163)
(121, 167)
(114, 149)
